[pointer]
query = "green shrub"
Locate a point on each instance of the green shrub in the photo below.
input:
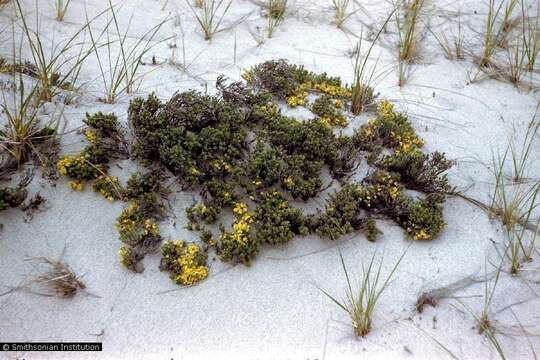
(109, 187)
(275, 221)
(422, 219)
(419, 171)
(239, 245)
(186, 262)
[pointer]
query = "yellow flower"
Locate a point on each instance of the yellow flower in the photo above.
(76, 185)
(421, 235)
(90, 135)
(240, 208)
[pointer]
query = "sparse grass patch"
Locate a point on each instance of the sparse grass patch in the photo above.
(452, 45)
(360, 303)
(119, 67)
(59, 277)
(211, 16)
(61, 7)
(24, 134)
(276, 15)
(530, 34)
(341, 13)
(56, 70)
(514, 198)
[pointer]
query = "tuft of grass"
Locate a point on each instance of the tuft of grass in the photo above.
(453, 46)
(276, 14)
(55, 71)
(516, 56)
(198, 3)
(59, 277)
(530, 35)
(485, 327)
(362, 93)
(119, 69)
(61, 9)
(210, 19)
(407, 28)
(514, 198)
(340, 12)
(499, 24)
(360, 303)
(23, 133)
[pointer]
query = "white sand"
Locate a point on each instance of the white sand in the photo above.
(274, 310)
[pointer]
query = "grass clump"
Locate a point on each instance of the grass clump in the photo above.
(56, 70)
(60, 278)
(24, 136)
(119, 66)
(186, 262)
(360, 303)
(210, 18)
(276, 14)
(340, 12)
(61, 7)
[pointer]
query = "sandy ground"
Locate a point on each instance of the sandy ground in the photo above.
(274, 309)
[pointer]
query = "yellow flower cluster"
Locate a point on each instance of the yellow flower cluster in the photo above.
(407, 141)
(241, 226)
(70, 161)
(240, 209)
(386, 109)
(247, 75)
(192, 271)
(420, 235)
(221, 165)
(90, 135)
(299, 96)
(185, 262)
(107, 186)
(150, 227)
(76, 185)
(385, 186)
(334, 121)
(288, 181)
(332, 90)
(125, 253)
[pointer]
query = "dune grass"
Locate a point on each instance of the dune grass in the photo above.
(360, 303)
(453, 45)
(23, 133)
(211, 16)
(276, 15)
(56, 69)
(530, 34)
(341, 13)
(61, 7)
(119, 66)
(364, 79)
(515, 196)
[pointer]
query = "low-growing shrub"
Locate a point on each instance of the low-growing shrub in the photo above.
(276, 222)
(239, 245)
(186, 262)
